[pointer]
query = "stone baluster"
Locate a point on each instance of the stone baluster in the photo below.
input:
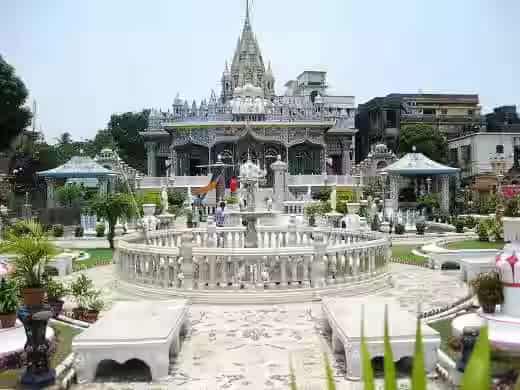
(166, 271)
(331, 268)
(307, 259)
(186, 252)
(291, 231)
(356, 259)
(318, 269)
(340, 267)
(236, 273)
(283, 271)
(226, 262)
(294, 269)
(212, 265)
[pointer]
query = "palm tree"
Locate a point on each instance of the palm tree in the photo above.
(112, 208)
(32, 249)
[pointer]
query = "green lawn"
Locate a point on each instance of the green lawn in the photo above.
(404, 252)
(475, 244)
(64, 335)
(97, 257)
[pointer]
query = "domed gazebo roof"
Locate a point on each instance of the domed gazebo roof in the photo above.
(415, 164)
(78, 167)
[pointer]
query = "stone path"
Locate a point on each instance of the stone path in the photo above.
(249, 347)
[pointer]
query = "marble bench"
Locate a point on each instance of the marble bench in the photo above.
(343, 318)
(149, 331)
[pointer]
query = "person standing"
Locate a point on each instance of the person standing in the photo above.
(219, 215)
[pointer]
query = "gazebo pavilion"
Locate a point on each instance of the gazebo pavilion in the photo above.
(78, 167)
(427, 176)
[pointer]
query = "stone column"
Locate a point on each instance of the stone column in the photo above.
(151, 157)
(394, 192)
(51, 184)
(345, 162)
(186, 252)
(323, 160)
(445, 193)
(291, 231)
(280, 187)
(173, 161)
(318, 267)
(103, 186)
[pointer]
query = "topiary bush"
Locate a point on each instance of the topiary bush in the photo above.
(57, 230)
(79, 231)
(100, 230)
(470, 222)
(459, 225)
(482, 230)
(399, 228)
(420, 227)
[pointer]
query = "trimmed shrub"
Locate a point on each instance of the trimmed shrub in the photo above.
(57, 230)
(78, 232)
(421, 227)
(470, 222)
(399, 228)
(482, 230)
(459, 225)
(100, 230)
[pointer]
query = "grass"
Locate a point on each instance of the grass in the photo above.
(97, 257)
(404, 252)
(475, 244)
(64, 335)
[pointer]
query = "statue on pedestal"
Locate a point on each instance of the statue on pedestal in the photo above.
(164, 200)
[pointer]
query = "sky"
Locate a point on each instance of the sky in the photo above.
(84, 60)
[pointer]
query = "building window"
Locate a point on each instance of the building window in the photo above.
(444, 111)
(500, 149)
(470, 112)
(428, 111)
(454, 156)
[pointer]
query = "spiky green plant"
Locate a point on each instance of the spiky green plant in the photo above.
(32, 250)
(477, 375)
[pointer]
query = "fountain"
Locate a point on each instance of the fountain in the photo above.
(251, 175)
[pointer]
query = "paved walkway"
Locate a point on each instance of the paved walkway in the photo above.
(249, 347)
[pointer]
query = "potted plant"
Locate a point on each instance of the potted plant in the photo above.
(483, 231)
(94, 305)
(489, 290)
(32, 251)
(8, 303)
(55, 291)
(399, 228)
(511, 219)
(81, 289)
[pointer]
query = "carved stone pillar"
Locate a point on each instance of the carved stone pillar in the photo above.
(346, 164)
(151, 158)
(280, 186)
(173, 161)
(445, 193)
(186, 252)
(394, 192)
(323, 160)
(318, 267)
(51, 183)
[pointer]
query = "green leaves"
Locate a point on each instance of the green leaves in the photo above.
(418, 372)
(368, 373)
(390, 381)
(331, 385)
(477, 375)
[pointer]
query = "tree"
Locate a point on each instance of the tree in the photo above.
(69, 194)
(125, 129)
(111, 208)
(426, 140)
(13, 116)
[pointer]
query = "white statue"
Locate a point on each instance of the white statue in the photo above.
(164, 200)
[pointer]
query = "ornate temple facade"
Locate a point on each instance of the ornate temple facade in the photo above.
(312, 131)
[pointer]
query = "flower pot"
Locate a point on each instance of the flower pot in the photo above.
(56, 306)
(511, 228)
(7, 320)
(90, 316)
(78, 313)
(488, 307)
(33, 296)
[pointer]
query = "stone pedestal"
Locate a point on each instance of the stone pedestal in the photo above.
(280, 188)
(38, 373)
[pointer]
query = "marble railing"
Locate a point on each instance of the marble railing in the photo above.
(296, 207)
(324, 259)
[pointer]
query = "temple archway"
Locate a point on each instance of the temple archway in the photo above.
(304, 159)
(189, 156)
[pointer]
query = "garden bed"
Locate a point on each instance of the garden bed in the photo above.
(474, 244)
(404, 254)
(96, 258)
